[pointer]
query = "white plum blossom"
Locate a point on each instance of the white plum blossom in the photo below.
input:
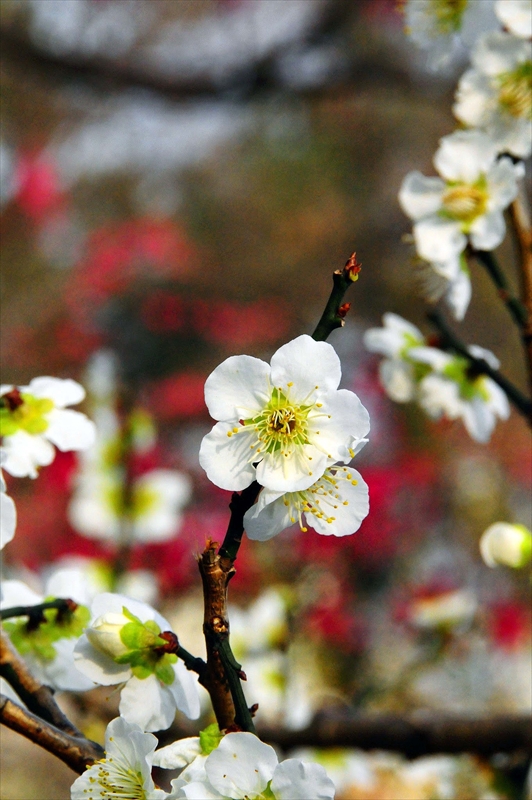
(48, 648)
(244, 768)
(496, 95)
(452, 390)
(507, 544)
(281, 424)
(124, 643)
(126, 769)
(516, 15)
(8, 511)
(398, 373)
(441, 26)
(335, 505)
(443, 609)
(97, 509)
(466, 203)
(33, 418)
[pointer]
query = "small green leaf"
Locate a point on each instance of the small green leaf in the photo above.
(210, 738)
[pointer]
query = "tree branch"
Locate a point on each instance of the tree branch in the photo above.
(38, 698)
(523, 236)
(449, 341)
(36, 612)
(417, 734)
(76, 751)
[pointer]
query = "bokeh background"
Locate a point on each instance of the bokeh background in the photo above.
(179, 178)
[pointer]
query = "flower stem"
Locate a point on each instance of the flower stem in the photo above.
(515, 307)
(449, 341)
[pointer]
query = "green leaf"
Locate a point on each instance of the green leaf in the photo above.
(210, 738)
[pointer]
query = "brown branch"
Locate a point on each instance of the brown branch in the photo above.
(416, 734)
(38, 698)
(523, 237)
(76, 751)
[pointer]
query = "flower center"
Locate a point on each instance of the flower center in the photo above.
(117, 781)
(28, 415)
(465, 202)
(469, 386)
(321, 499)
(281, 424)
(515, 91)
(449, 15)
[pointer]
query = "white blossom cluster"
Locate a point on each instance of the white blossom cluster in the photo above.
(460, 211)
(287, 426)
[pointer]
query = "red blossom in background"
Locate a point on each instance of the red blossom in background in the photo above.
(39, 192)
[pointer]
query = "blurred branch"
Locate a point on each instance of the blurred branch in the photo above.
(35, 613)
(38, 698)
(420, 733)
(258, 77)
(514, 306)
(76, 751)
(449, 341)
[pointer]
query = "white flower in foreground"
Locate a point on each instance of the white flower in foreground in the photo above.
(8, 511)
(335, 505)
(467, 202)
(126, 769)
(47, 648)
(97, 509)
(244, 768)
(281, 424)
(34, 418)
(516, 15)
(440, 26)
(398, 374)
(496, 94)
(454, 391)
(129, 642)
(507, 544)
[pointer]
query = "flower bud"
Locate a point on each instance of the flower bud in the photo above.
(507, 544)
(104, 634)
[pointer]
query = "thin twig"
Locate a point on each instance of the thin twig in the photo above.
(515, 307)
(36, 612)
(76, 751)
(449, 341)
(523, 236)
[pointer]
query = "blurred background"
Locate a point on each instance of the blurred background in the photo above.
(179, 179)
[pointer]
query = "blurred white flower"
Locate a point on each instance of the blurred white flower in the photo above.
(48, 647)
(8, 511)
(507, 544)
(466, 203)
(441, 26)
(496, 95)
(398, 374)
(123, 645)
(453, 391)
(450, 281)
(97, 509)
(443, 609)
(516, 15)
(126, 769)
(34, 418)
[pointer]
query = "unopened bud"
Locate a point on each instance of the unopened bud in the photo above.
(507, 544)
(352, 267)
(104, 634)
(342, 311)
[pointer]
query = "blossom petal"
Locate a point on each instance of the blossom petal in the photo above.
(262, 522)
(487, 231)
(226, 459)
(241, 766)
(178, 754)
(292, 473)
(479, 420)
(237, 388)
(24, 453)
(8, 519)
(472, 97)
(63, 392)
(458, 294)
(502, 183)
(70, 430)
(397, 377)
(148, 703)
(342, 415)
(184, 690)
(515, 15)
(290, 365)
(348, 505)
(439, 239)
(420, 196)
(465, 155)
(97, 666)
(296, 780)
